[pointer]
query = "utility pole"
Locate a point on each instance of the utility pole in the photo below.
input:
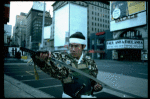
(42, 37)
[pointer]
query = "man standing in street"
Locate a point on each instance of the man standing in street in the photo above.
(74, 84)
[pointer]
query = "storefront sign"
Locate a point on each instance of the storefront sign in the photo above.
(124, 44)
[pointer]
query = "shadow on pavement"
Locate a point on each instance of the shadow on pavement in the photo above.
(105, 95)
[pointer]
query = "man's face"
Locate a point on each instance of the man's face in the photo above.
(75, 50)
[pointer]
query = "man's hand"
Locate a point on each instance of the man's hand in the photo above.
(98, 87)
(45, 55)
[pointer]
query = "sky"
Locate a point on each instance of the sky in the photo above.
(24, 6)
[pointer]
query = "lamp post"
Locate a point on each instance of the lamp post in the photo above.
(42, 37)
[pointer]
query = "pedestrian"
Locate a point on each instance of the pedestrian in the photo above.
(74, 84)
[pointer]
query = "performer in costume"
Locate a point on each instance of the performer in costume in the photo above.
(74, 84)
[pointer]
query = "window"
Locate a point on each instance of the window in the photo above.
(98, 41)
(100, 9)
(100, 20)
(92, 41)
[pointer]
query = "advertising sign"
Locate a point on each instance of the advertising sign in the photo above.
(37, 5)
(120, 9)
(124, 44)
(136, 6)
(127, 14)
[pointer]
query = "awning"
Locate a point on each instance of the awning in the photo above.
(100, 33)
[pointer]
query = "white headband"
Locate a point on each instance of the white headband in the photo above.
(77, 40)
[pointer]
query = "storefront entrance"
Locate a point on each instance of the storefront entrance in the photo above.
(129, 54)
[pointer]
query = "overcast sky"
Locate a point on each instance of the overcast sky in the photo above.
(24, 6)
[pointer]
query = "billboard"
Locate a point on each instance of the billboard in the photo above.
(124, 14)
(47, 30)
(78, 20)
(70, 18)
(124, 44)
(61, 19)
(37, 5)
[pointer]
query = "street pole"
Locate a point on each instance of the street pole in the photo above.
(41, 45)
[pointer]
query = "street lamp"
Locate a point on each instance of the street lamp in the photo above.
(41, 45)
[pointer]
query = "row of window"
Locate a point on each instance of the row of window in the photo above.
(100, 15)
(101, 9)
(39, 23)
(101, 25)
(99, 4)
(132, 34)
(98, 30)
(100, 20)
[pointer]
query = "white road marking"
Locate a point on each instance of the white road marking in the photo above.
(48, 86)
(15, 63)
(35, 80)
(143, 74)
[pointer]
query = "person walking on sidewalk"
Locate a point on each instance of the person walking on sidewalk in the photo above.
(74, 84)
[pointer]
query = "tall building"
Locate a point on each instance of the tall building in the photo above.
(7, 34)
(20, 29)
(34, 27)
(97, 15)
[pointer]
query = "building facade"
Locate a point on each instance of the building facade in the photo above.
(129, 24)
(7, 34)
(98, 45)
(34, 27)
(97, 15)
(20, 30)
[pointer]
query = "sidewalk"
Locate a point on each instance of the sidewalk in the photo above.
(16, 89)
(124, 86)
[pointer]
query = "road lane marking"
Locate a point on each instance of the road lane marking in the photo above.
(30, 72)
(15, 63)
(142, 73)
(48, 87)
(35, 80)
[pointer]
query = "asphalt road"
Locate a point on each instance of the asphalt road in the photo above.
(25, 73)
(129, 68)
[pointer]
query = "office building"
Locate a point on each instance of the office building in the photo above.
(34, 27)
(20, 29)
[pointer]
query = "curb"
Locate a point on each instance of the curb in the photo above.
(24, 90)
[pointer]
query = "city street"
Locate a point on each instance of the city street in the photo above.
(130, 78)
